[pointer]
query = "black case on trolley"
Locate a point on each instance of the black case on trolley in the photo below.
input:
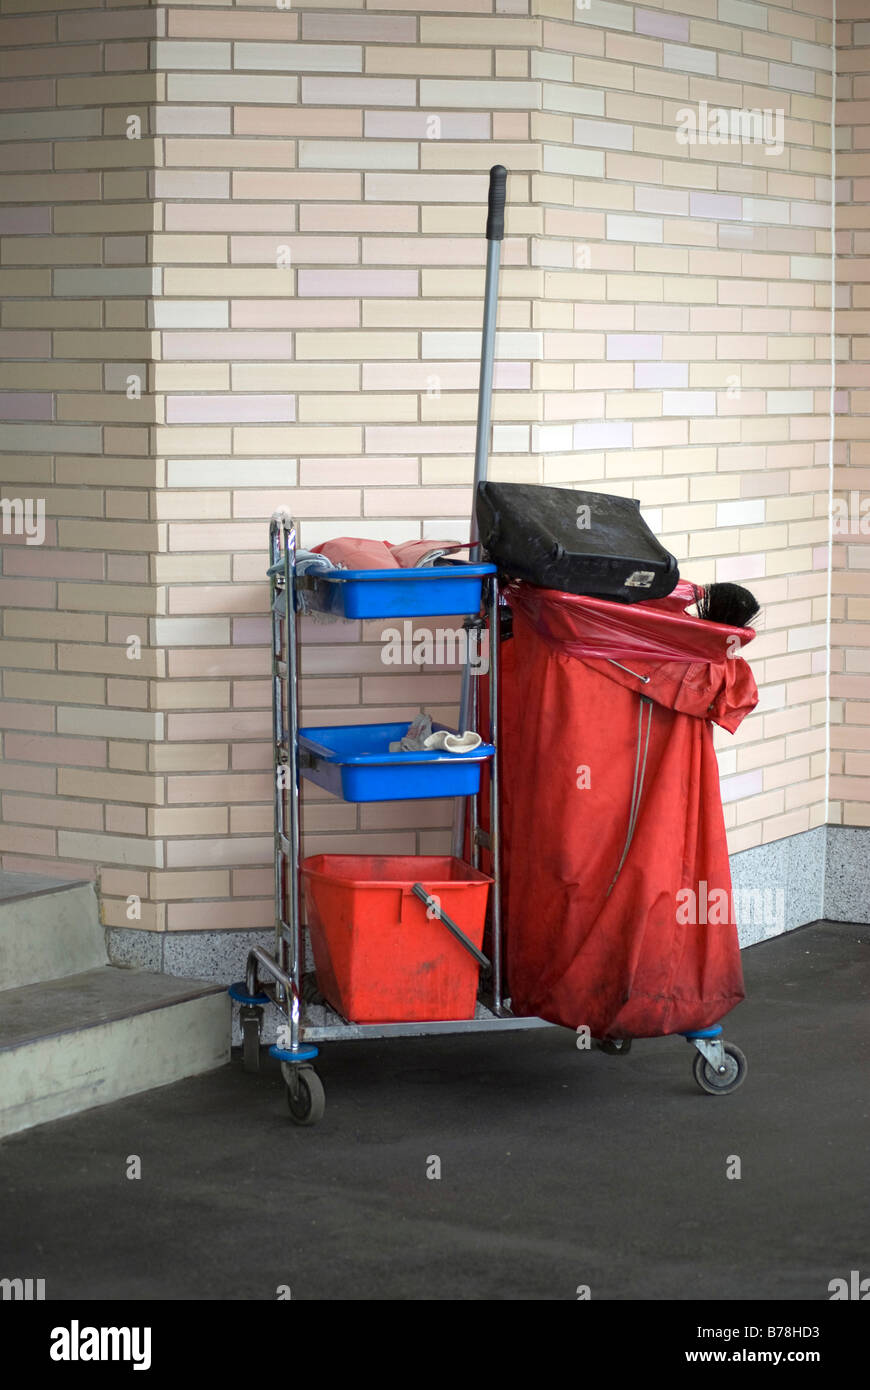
(579, 542)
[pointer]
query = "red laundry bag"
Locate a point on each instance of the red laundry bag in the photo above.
(589, 942)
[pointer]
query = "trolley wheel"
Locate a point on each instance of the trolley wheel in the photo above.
(251, 1018)
(310, 991)
(615, 1047)
(306, 1097)
(720, 1083)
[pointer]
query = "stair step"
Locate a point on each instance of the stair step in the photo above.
(88, 1039)
(49, 929)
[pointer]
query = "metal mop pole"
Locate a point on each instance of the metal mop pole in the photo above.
(494, 235)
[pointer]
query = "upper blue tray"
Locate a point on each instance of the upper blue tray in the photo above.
(447, 591)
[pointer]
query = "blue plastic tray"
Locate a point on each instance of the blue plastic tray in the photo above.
(413, 593)
(353, 761)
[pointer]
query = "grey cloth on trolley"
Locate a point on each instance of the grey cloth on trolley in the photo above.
(308, 562)
(420, 738)
(427, 560)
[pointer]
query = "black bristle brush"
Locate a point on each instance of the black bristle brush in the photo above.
(727, 603)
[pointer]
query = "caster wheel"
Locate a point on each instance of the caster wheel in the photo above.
(250, 1021)
(310, 992)
(717, 1083)
(615, 1047)
(306, 1097)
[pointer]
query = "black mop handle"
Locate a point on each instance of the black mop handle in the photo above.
(497, 194)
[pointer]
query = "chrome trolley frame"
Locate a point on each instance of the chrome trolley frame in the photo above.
(280, 978)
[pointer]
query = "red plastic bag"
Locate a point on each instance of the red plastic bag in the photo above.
(592, 930)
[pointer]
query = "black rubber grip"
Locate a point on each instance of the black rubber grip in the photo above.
(497, 192)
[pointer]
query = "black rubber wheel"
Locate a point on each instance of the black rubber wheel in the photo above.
(310, 992)
(306, 1098)
(615, 1047)
(251, 1042)
(717, 1083)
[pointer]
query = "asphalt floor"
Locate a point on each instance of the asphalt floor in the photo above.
(560, 1169)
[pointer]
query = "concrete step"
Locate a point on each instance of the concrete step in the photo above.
(90, 1038)
(49, 928)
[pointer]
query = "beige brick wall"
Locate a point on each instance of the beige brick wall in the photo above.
(76, 213)
(310, 183)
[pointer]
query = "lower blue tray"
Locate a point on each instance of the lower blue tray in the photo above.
(353, 761)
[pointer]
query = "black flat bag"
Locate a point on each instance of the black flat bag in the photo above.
(578, 542)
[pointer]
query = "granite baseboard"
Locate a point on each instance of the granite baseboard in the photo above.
(789, 883)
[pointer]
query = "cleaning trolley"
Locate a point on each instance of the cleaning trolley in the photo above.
(398, 945)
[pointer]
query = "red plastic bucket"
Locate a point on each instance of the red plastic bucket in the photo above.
(379, 958)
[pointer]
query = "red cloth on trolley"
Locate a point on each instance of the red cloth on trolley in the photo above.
(620, 962)
(354, 553)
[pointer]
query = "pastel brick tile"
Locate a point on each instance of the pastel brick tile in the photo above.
(335, 154)
(300, 185)
(361, 28)
(579, 101)
(237, 153)
(76, 752)
(191, 313)
(228, 217)
(359, 408)
(344, 283)
(359, 91)
(34, 810)
(224, 408)
(31, 717)
(192, 347)
(199, 820)
(190, 56)
(109, 786)
(219, 790)
(298, 57)
(224, 87)
(662, 26)
(507, 93)
(193, 120)
(37, 781)
(233, 280)
(192, 884)
(27, 840)
(260, 313)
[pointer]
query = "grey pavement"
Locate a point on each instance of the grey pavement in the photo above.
(559, 1168)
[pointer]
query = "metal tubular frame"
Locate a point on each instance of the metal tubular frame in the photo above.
(286, 966)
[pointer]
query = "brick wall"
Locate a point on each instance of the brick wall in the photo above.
(75, 218)
(317, 179)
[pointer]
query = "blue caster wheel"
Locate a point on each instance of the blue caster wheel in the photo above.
(251, 1021)
(719, 1080)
